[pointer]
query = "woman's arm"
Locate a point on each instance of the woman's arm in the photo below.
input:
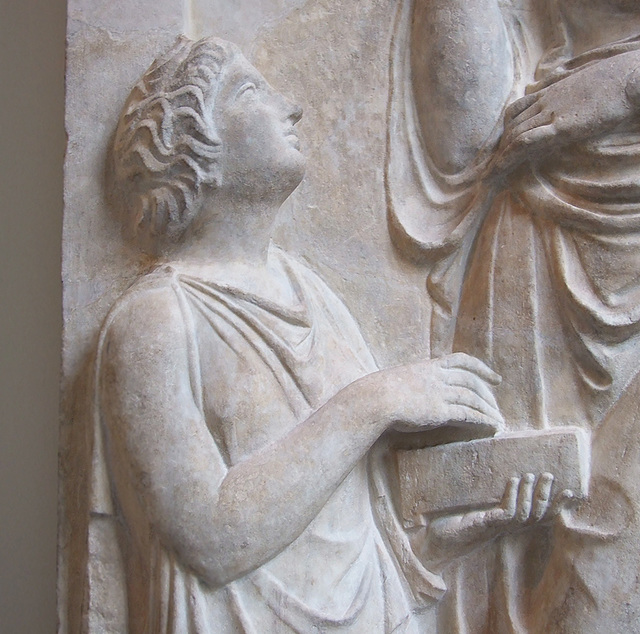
(462, 67)
(224, 522)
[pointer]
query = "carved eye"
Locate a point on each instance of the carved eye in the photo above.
(246, 89)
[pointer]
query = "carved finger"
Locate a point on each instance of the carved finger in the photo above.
(496, 517)
(521, 132)
(519, 106)
(516, 151)
(470, 381)
(541, 497)
(463, 361)
(563, 501)
(525, 497)
(509, 502)
(462, 395)
(467, 414)
(532, 111)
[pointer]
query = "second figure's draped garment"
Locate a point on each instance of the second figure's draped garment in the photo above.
(551, 293)
(258, 369)
(540, 281)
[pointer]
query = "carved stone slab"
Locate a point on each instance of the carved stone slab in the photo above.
(261, 307)
(474, 474)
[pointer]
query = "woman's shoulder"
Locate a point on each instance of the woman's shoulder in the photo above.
(150, 306)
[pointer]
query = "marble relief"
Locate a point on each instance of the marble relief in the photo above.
(523, 144)
(252, 441)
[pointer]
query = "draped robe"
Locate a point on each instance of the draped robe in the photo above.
(540, 281)
(258, 369)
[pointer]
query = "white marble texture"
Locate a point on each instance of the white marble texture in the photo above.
(463, 179)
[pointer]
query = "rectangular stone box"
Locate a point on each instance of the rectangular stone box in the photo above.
(474, 474)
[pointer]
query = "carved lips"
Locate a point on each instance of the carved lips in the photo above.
(292, 137)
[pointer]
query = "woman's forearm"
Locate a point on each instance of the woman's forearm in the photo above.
(223, 521)
(266, 501)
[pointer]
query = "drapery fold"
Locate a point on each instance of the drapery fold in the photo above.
(343, 573)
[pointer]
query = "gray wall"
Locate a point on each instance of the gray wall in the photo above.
(31, 154)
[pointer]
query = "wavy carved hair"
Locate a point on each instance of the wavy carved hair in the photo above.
(166, 146)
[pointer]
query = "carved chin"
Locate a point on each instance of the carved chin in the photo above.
(296, 171)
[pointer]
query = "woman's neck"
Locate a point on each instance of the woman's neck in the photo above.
(230, 244)
(230, 231)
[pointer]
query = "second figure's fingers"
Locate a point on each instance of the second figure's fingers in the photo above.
(525, 497)
(516, 150)
(510, 498)
(520, 134)
(518, 106)
(529, 113)
(542, 496)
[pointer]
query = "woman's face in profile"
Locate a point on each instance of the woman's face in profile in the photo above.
(255, 123)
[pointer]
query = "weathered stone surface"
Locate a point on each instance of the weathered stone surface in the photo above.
(512, 164)
(474, 474)
(250, 351)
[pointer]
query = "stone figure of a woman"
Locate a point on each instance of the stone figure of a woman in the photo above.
(514, 163)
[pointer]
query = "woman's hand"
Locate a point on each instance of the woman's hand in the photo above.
(453, 389)
(527, 501)
(581, 106)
